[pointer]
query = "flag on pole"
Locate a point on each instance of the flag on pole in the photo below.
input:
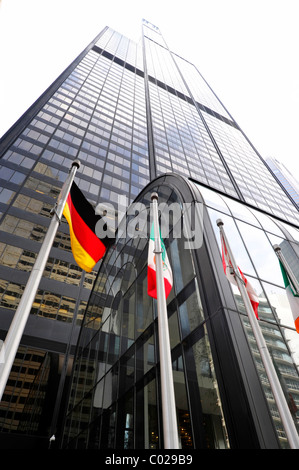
(229, 272)
(292, 296)
(151, 268)
(87, 248)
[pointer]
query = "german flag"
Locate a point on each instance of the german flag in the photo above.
(87, 248)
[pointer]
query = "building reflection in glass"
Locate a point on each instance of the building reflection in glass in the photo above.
(115, 398)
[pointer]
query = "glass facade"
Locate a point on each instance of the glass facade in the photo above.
(95, 113)
(115, 398)
(285, 177)
(253, 235)
(130, 113)
(115, 394)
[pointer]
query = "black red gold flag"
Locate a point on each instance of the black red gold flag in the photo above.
(87, 247)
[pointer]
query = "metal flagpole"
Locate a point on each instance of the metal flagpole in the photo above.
(15, 332)
(280, 399)
(65, 365)
(290, 273)
(170, 428)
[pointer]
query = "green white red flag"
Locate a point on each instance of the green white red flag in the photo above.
(292, 296)
(151, 268)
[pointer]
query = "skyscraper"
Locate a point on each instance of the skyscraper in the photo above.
(131, 113)
(286, 178)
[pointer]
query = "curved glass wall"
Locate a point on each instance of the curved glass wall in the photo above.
(115, 397)
(115, 391)
(252, 235)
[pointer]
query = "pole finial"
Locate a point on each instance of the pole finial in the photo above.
(276, 248)
(76, 163)
(219, 222)
(154, 196)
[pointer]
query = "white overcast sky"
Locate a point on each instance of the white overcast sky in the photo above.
(247, 50)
